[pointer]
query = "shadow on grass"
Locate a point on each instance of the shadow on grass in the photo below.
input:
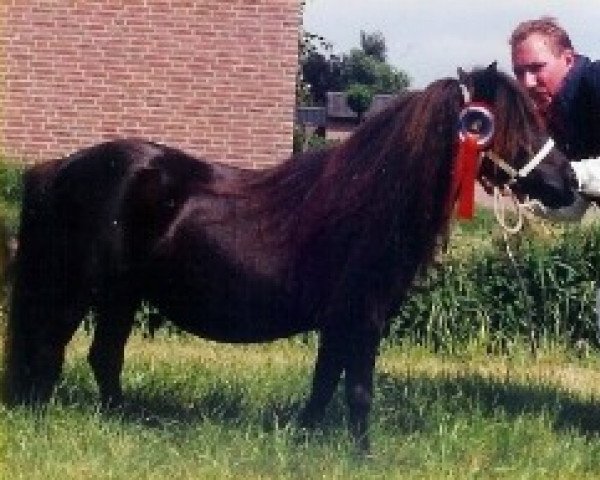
(402, 405)
(414, 404)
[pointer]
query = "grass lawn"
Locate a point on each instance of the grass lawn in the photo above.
(200, 410)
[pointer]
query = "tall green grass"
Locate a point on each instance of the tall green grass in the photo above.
(544, 291)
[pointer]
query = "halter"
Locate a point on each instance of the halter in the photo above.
(526, 169)
(476, 130)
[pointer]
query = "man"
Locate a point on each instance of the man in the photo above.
(566, 88)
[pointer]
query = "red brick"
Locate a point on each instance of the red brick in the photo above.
(216, 77)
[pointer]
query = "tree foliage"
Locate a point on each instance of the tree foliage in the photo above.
(359, 97)
(322, 71)
(373, 44)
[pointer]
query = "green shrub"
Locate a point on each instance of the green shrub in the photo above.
(11, 188)
(11, 191)
(547, 291)
(359, 98)
(303, 140)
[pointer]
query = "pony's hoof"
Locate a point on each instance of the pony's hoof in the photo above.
(308, 419)
(363, 450)
(111, 403)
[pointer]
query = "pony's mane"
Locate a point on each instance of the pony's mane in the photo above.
(400, 158)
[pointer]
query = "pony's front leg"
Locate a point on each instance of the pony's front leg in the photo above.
(108, 351)
(328, 370)
(359, 386)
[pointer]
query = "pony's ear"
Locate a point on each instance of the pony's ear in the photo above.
(464, 81)
(492, 67)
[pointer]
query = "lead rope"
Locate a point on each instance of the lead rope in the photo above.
(500, 213)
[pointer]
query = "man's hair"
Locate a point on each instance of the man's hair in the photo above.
(547, 26)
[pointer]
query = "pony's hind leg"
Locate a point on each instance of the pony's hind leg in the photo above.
(113, 327)
(35, 348)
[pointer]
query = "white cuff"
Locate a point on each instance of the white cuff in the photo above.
(587, 172)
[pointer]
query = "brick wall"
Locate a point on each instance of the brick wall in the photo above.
(214, 77)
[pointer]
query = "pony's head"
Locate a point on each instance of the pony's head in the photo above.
(516, 148)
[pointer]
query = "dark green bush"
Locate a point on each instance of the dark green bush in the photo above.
(547, 291)
(11, 191)
(359, 98)
(11, 188)
(304, 140)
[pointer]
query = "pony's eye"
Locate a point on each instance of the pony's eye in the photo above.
(478, 121)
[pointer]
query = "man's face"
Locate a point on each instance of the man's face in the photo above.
(539, 69)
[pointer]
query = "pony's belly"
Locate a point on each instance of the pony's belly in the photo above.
(231, 316)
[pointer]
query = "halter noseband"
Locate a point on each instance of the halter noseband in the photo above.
(527, 168)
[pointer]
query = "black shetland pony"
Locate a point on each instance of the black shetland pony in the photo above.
(327, 241)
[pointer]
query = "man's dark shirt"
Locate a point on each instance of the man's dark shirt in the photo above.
(575, 115)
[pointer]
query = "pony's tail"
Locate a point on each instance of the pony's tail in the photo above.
(19, 328)
(4, 262)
